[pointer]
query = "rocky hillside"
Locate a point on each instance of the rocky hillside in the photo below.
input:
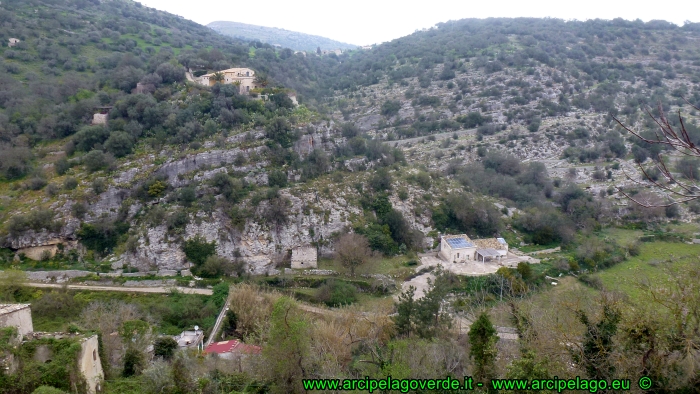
(509, 131)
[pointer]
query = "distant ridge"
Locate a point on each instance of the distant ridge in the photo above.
(272, 35)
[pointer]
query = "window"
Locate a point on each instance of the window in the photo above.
(457, 255)
(94, 355)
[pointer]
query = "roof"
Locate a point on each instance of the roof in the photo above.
(459, 242)
(9, 308)
(189, 338)
(233, 346)
(492, 243)
(501, 241)
(488, 252)
(232, 70)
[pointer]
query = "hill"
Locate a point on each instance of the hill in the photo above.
(499, 127)
(275, 36)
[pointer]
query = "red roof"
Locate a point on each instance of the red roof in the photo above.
(233, 346)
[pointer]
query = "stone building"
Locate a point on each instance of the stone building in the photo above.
(244, 77)
(457, 248)
(17, 315)
(461, 249)
(88, 360)
(12, 42)
(304, 257)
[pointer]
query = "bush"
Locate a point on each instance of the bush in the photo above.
(61, 166)
(164, 347)
(79, 210)
(214, 266)
(70, 183)
(119, 144)
(96, 160)
(198, 249)
(336, 293)
(103, 235)
(380, 180)
(277, 178)
(390, 108)
(37, 220)
(36, 183)
(99, 186)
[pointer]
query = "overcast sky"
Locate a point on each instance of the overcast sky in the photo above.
(364, 22)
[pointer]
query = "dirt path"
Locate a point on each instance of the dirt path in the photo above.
(159, 290)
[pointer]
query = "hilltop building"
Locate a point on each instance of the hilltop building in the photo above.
(244, 77)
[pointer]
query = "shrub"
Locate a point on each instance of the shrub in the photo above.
(164, 347)
(187, 196)
(99, 186)
(79, 210)
(198, 249)
(96, 160)
(390, 108)
(119, 144)
(37, 220)
(103, 235)
(61, 166)
(336, 293)
(277, 178)
(36, 183)
(70, 183)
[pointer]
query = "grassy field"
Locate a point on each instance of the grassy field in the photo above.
(651, 265)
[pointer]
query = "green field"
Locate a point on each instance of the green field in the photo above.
(652, 264)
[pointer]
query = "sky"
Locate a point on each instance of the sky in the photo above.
(366, 22)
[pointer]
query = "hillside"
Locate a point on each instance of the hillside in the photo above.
(280, 37)
(490, 128)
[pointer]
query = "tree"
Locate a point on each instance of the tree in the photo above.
(482, 341)
(405, 308)
(596, 350)
(288, 354)
(218, 77)
(279, 130)
(198, 249)
(352, 251)
(134, 362)
(119, 144)
(165, 347)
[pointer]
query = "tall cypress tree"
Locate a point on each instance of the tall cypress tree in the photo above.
(483, 338)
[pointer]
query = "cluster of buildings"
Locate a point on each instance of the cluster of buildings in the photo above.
(243, 77)
(88, 361)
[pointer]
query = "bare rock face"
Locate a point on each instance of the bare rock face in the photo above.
(258, 244)
(154, 252)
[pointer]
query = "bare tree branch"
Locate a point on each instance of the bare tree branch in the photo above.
(677, 139)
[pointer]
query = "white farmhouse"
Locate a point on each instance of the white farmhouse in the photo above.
(457, 248)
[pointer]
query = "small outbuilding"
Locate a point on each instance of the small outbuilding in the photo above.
(304, 257)
(12, 42)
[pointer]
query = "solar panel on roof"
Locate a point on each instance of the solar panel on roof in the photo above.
(458, 243)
